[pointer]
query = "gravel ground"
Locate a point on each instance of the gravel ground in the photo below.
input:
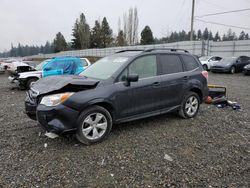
(211, 150)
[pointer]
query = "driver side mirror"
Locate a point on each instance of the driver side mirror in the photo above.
(131, 78)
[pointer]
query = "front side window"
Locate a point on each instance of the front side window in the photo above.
(171, 64)
(145, 66)
(190, 62)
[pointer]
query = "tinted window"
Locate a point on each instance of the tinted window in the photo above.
(190, 62)
(144, 66)
(170, 64)
(244, 58)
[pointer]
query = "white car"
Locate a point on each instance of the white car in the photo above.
(12, 67)
(208, 61)
(2, 69)
(7, 62)
(26, 79)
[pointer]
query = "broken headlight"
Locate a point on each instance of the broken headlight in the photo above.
(53, 100)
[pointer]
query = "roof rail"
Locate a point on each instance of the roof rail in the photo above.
(170, 49)
(132, 50)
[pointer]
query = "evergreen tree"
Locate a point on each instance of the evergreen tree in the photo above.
(147, 36)
(247, 37)
(120, 39)
(81, 33)
(199, 35)
(95, 36)
(242, 35)
(106, 34)
(59, 43)
(205, 34)
(217, 37)
(210, 35)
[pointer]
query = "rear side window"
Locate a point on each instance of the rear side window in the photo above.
(170, 64)
(189, 62)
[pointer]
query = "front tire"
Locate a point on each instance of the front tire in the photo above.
(205, 67)
(190, 105)
(93, 125)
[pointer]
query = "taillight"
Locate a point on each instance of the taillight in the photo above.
(205, 74)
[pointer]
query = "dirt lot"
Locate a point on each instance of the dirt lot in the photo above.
(211, 150)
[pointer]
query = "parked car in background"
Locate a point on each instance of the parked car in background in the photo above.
(126, 86)
(246, 69)
(7, 62)
(2, 70)
(18, 67)
(208, 61)
(49, 67)
(231, 64)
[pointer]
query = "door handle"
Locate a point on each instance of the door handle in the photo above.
(156, 84)
(186, 77)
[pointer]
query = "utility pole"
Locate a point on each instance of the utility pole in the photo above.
(192, 22)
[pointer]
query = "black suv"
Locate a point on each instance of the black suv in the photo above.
(126, 86)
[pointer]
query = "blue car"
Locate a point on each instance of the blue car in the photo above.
(63, 66)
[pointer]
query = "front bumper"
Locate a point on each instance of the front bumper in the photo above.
(57, 119)
(246, 71)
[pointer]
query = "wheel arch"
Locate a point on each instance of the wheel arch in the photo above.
(198, 92)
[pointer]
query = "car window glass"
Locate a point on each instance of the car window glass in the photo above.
(190, 62)
(123, 76)
(84, 62)
(170, 64)
(144, 66)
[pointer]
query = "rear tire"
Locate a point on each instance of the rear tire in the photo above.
(30, 82)
(232, 70)
(190, 105)
(93, 125)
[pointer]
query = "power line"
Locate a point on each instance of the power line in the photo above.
(215, 23)
(226, 12)
(217, 5)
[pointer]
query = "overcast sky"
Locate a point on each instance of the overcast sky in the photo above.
(33, 22)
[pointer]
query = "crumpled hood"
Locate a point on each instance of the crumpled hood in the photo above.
(30, 73)
(53, 83)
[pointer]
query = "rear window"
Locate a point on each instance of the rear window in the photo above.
(190, 62)
(170, 64)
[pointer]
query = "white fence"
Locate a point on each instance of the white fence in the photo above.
(225, 48)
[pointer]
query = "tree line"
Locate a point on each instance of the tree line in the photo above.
(101, 36)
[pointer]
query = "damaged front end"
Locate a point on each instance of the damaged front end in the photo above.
(45, 101)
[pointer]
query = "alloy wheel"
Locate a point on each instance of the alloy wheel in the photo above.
(94, 126)
(191, 105)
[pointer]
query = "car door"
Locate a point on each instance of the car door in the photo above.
(142, 96)
(172, 77)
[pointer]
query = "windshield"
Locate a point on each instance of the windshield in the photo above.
(105, 67)
(204, 58)
(228, 60)
(39, 67)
